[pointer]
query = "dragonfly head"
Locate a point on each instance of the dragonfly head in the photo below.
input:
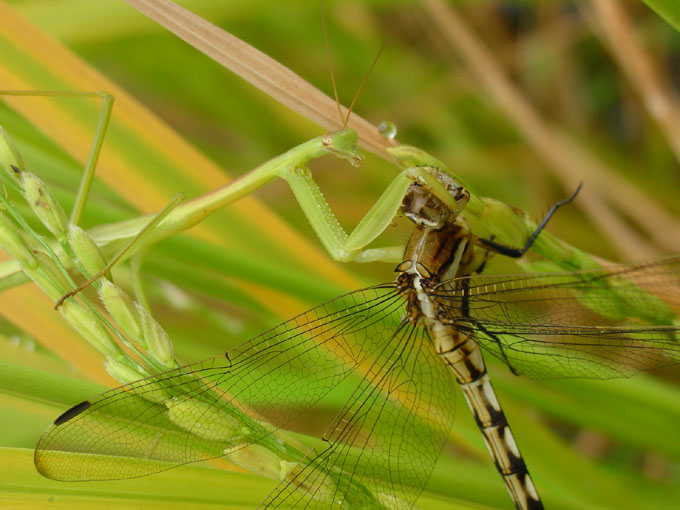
(422, 206)
(344, 144)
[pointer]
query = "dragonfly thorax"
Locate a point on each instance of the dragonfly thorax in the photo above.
(431, 256)
(436, 254)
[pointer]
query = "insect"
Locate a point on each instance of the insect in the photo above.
(408, 340)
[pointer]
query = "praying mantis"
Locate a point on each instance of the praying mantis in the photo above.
(339, 248)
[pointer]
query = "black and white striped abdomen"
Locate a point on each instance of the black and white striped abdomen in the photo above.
(463, 355)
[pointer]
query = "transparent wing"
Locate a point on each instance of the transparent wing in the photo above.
(386, 440)
(598, 324)
(206, 409)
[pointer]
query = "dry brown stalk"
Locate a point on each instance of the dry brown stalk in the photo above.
(619, 37)
(268, 75)
(566, 158)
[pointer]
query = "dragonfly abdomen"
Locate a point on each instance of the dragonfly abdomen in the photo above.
(464, 357)
(500, 442)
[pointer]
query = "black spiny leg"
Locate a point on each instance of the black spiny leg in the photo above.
(465, 312)
(516, 253)
(487, 256)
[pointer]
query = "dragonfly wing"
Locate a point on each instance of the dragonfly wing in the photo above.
(205, 409)
(381, 448)
(603, 323)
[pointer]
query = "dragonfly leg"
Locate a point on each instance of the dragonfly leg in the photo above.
(516, 253)
(506, 360)
(487, 257)
(465, 309)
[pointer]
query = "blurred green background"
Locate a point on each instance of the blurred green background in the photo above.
(593, 98)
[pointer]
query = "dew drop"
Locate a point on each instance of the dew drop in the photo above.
(387, 129)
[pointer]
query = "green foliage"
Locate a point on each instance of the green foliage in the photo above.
(667, 9)
(238, 274)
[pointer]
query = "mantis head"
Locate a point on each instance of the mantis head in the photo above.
(344, 144)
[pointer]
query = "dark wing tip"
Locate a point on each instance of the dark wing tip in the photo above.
(72, 413)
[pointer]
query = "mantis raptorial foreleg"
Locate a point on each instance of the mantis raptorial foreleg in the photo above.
(418, 167)
(292, 167)
(345, 248)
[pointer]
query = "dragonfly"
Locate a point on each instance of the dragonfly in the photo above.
(403, 346)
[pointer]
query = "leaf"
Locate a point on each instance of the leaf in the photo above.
(668, 10)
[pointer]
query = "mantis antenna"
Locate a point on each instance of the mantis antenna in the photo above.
(330, 63)
(363, 82)
(345, 119)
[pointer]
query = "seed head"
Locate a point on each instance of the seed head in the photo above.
(86, 250)
(44, 205)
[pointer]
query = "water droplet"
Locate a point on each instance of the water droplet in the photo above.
(387, 129)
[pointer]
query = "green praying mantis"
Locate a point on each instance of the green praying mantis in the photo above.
(292, 167)
(496, 218)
